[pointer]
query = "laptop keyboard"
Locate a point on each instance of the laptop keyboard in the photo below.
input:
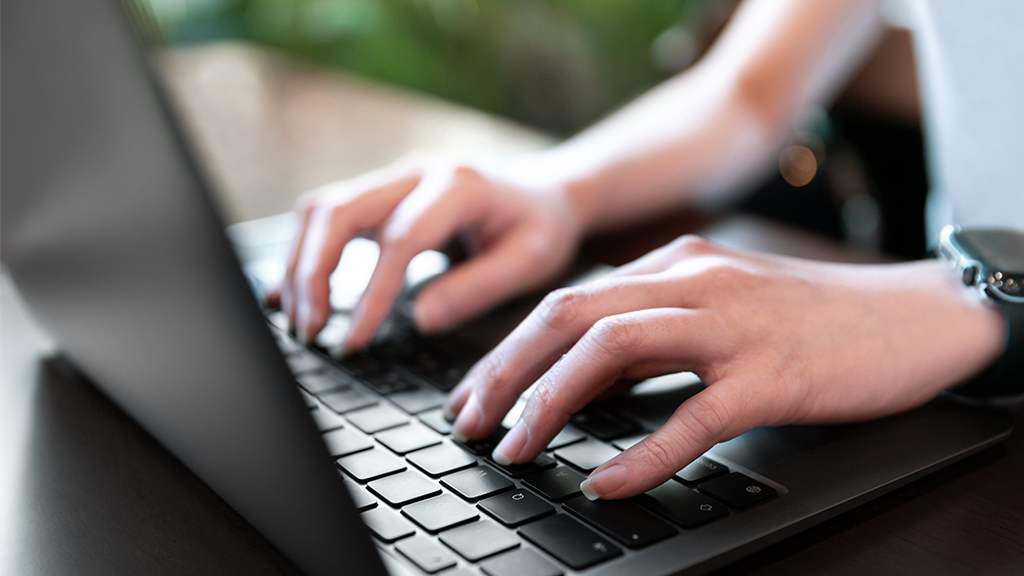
(449, 509)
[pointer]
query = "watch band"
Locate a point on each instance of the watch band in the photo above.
(1006, 374)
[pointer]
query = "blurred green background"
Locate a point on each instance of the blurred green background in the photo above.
(556, 64)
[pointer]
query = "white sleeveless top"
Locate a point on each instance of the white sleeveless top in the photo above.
(970, 56)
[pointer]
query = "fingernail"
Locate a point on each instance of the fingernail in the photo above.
(604, 482)
(429, 317)
(511, 446)
(458, 437)
(468, 420)
(448, 414)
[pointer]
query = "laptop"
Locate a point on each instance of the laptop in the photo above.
(112, 239)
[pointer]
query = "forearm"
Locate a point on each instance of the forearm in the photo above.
(717, 125)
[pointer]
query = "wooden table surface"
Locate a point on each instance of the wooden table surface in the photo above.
(84, 490)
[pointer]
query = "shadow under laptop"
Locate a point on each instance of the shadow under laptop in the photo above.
(91, 473)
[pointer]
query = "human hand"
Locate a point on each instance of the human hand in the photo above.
(777, 340)
(526, 230)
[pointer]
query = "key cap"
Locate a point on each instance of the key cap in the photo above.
(435, 419)
(486, 445)
(603, 424)
(360, 497)
(586, 455)
(737, 490)
(308, 399)
(522, 562)
(566, 539)
(701, 469)
(541, 462)
(408, 438)
(478, 540)
(374, 419)
(301, 362)
(440, 512)
(417, 400)
(476, 483)
(682, 505)
(389, 381)
(362, 364)
(344, 442)
(325, 419)
(387, 525)
(345, 400)
(516, 507)
(569, 435)
(557, 483)
(624, 520)
(320, 382)
(440, 460)
(370, 465)
(629, 441)
(402, 488)
(424, 552)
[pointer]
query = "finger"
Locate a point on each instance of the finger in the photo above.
(561, 319)
(718, 413)
(517, 264)
(638, 344)
(443, 202)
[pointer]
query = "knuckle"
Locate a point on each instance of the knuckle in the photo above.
(561, 307)
(705, 415)
(617, 336)
(661, 452)
(692, 245)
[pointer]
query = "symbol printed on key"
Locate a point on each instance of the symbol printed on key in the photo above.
(562, 473)
(599, 546)
(518, 496)
(753, 489)
(706, 507)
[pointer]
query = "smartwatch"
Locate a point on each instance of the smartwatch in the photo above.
(992, 261)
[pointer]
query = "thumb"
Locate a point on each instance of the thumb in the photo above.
(718, 413)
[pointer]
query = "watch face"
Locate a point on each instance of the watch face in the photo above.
(1001, 250)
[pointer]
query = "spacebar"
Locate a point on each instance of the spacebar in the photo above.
(624, 520)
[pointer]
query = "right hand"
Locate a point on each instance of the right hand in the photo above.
(526, 231)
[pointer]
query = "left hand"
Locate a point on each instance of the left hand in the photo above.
(777, 340)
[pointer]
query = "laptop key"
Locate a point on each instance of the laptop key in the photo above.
(435, 419)
(575, 545)
(370, 465)
(628, 442)
(478, 540)
(486, 445)
(682, 505)
(440, 460)
(541, 462)
(403, 488)
(569, 435)
(603, 424)
(701, 469)
(302, 362)
(308, 399)
(737, 490)
(389, 381)
(320, 382)
(374, 419)
(424, 552)
(405, 439)
(387, 525)
(587, 455)
(345, 400)
(624, 520)
(557, 483)
(326, 419)
(440, 513)
(477, 483)
(360, 497)
(516, 507)
(522, 562)
(417, 400)
(344, 442)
